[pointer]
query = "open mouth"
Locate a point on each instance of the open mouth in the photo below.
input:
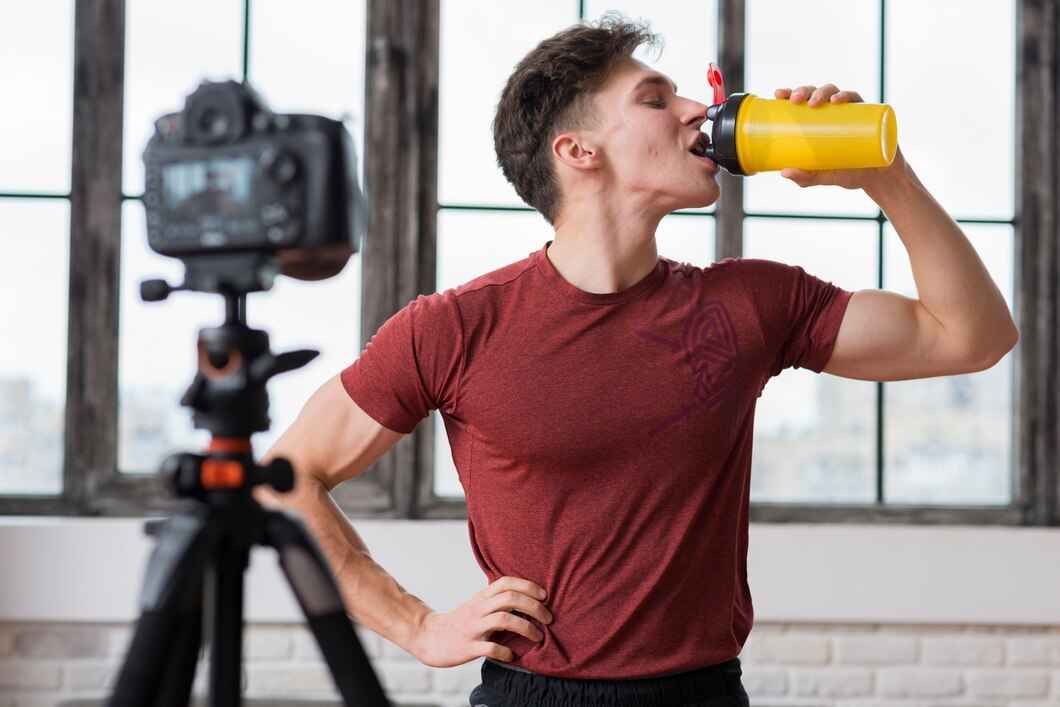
(699, 149)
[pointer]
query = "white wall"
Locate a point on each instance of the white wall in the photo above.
(846, 615)
(808, 573)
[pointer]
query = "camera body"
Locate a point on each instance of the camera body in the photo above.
(240, 193)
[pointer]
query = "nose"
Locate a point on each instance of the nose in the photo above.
(693, 113)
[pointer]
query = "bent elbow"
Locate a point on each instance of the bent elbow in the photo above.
(989, 353)
(1013, 336)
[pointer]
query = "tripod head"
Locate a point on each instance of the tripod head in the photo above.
(229, 398)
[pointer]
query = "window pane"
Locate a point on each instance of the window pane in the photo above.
(687, 239)
(308, 57)
(169, 49)
(815, 435)
(36, 80)
(156, 353)
(689, 34)
(33, 287)
(949, 440)
(472, 243)
(786, 47)
(956, 107)
(446, 480)
(481, 42)
(324, 316)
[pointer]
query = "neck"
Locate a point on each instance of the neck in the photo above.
(602, 250)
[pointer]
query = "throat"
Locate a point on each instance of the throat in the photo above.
(604, 269)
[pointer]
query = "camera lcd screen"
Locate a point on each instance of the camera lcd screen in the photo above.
(213, 188)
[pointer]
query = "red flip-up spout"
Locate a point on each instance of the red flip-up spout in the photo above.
(717, 83)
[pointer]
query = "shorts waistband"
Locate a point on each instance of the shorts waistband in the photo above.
(674, 689)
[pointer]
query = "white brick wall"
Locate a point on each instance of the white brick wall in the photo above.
(42, 665)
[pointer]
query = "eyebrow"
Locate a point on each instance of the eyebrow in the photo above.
(655, 79)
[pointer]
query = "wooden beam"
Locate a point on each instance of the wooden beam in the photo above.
(95, 231)
(1038, 258)
(729, 230)
(399, 255)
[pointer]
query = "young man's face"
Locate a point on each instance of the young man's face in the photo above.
(646, 133)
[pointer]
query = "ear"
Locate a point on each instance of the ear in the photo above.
(576, 150)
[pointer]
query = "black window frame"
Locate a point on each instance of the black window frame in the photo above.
(399, 262)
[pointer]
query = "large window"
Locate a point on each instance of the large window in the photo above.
(122, 417)
(90, 376)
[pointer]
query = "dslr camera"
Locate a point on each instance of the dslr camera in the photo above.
(241, 194)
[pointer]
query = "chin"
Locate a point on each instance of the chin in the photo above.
(701, 201)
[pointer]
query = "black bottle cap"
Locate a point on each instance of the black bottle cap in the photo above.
(723, 135)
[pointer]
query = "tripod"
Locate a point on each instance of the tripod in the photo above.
(202, 553)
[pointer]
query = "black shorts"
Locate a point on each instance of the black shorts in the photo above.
(712, 686)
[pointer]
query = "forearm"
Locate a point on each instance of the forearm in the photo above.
(953, 285)
(371, 595)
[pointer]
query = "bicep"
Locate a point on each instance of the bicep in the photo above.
(885, 336)
(333, 439)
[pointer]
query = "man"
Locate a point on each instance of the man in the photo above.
(600, 399)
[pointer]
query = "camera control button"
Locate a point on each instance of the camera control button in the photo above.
(275, 234)
(272, 214)
(281, 166)
(284, 169)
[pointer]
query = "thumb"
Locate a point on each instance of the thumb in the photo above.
(801, 176)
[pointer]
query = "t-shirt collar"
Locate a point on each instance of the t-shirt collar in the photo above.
(545, 267)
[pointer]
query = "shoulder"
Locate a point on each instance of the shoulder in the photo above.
(496, 279)
(761, 277)
(447, 308)
(757, 268)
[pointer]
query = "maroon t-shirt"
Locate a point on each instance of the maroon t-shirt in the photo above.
(604, 442)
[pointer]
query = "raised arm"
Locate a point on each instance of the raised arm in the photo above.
(959, 321)
(334, 440)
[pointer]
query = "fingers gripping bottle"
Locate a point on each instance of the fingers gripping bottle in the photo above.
(752, 134)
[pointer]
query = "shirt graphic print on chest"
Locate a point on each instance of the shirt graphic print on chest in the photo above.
(709, 347)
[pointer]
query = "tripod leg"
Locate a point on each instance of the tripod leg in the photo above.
(160, 665)
(174, 690)
(317, 593)
(226, 648)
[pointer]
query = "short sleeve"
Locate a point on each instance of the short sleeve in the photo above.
(799, 315)
(412, 364)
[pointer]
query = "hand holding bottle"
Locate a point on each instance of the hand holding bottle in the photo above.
(830, 95)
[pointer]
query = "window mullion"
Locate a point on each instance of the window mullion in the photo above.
(399, 258)
(95, 227)
(1038, 259)
(730, 214)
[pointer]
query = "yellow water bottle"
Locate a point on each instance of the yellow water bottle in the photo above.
(752, 134)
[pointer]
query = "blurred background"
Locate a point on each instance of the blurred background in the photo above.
(87, 411)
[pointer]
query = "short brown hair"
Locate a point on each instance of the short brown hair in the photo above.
(551, 91)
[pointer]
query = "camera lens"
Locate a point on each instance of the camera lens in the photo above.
(214, 123)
